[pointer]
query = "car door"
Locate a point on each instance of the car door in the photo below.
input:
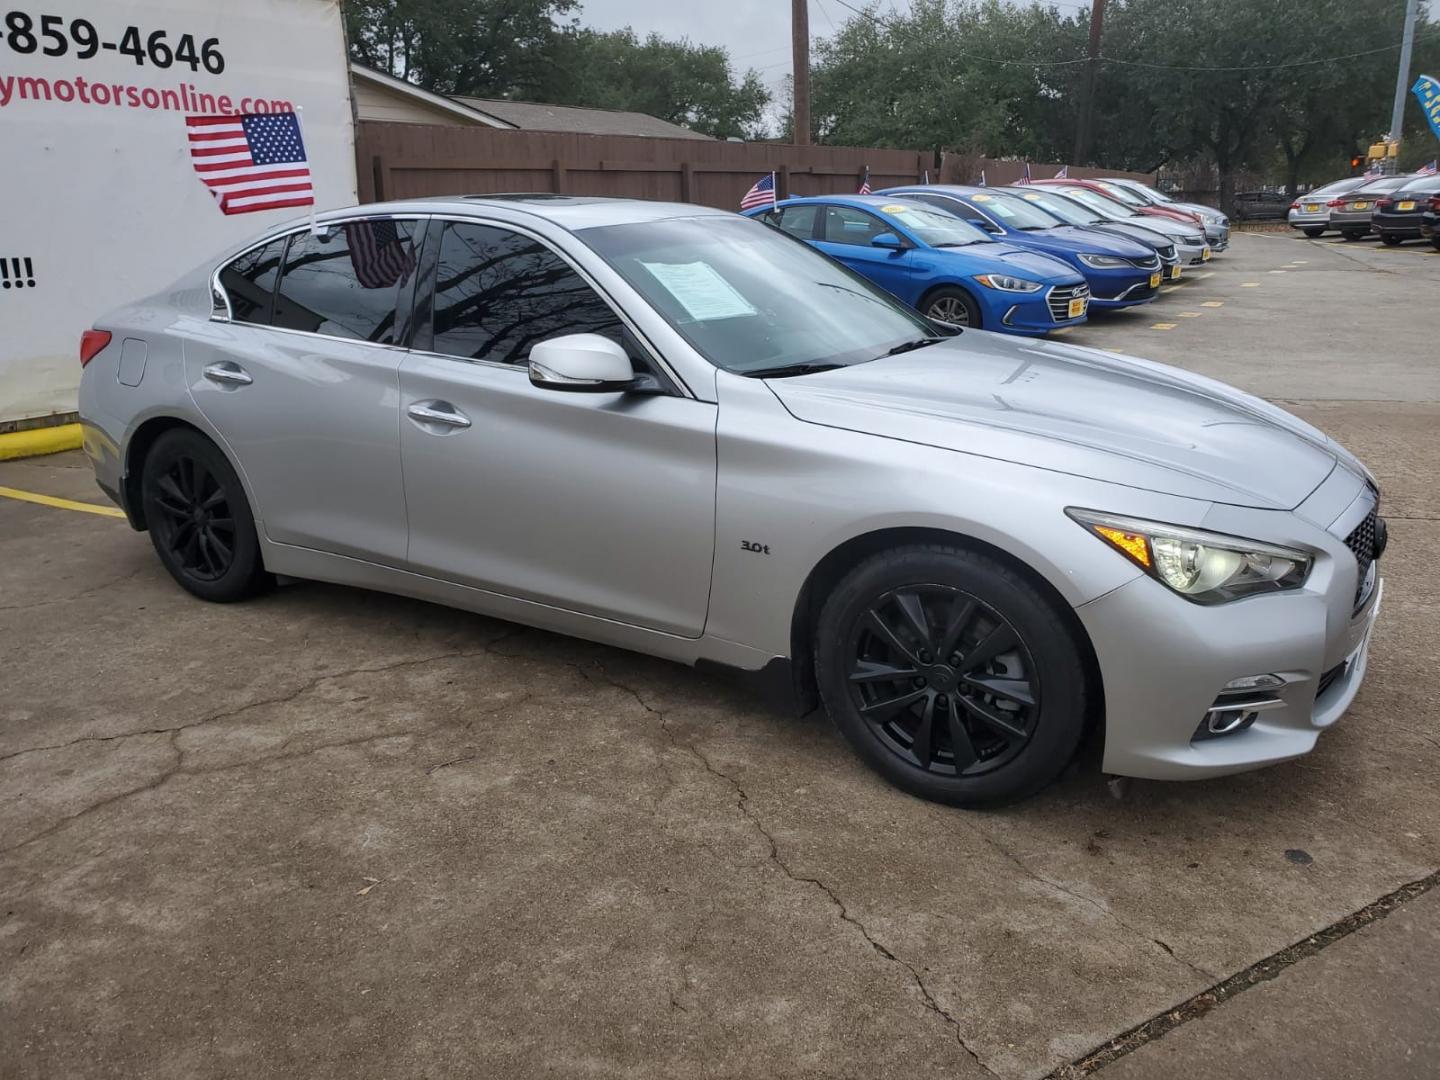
(602, 504)
(301, 379)
(846, 234)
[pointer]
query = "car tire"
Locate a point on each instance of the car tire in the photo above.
(1353, 234)
(1314, 231)
(1008, 642)
(199, 519)
(1390, 239)
(1435, 242)
(960, 305)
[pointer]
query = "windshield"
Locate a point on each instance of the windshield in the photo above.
(1015, 212)
(1337, 187)
(1390, 183)
(1102, 205)
(935, 227)
(750, 298)
(1154, 195)
(1120, 193)
(1068, 211)
(1421, 183)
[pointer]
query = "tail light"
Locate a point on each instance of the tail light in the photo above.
(91, 342)
(1435, 203)
(1295, 205)
(1336, 202)
(1384, 204)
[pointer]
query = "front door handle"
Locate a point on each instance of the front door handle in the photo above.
(438, 412)
(228, 374)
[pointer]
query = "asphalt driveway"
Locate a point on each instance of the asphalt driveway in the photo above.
(335, 834)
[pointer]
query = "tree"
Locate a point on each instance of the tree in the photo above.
(488, 48)
(687, 84)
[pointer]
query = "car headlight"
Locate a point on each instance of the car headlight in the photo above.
(1102, 262)
(1006, 283)
(1206, 567)
(1195, 241)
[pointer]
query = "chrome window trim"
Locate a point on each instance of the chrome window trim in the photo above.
(218, 290)
(584, 275)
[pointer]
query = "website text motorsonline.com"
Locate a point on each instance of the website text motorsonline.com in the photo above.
(182, 97)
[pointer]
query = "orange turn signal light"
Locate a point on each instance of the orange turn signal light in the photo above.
(1132, 544)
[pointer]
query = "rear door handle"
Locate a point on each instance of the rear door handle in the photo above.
(228, 374)
(438, 412)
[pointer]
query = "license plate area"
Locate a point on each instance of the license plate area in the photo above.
(1155, 279)
(1077, 307)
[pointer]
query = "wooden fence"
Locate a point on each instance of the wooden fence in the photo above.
(400, 161)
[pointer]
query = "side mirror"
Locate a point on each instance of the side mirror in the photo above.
(582, 363)
(887, 240)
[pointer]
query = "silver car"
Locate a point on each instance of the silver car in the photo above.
(1188, 238)
(1310, 213)
(678, 431)
(1217, 225)
(1353, 218)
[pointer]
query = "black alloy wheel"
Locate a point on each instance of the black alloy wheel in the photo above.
(943, 680)
(199, 519)
(957, 677)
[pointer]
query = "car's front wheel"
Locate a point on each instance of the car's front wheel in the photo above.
(1314, 231)
(952, 305)
(1390, 239)
(951, 674)
(199, 518)
(1353, 234)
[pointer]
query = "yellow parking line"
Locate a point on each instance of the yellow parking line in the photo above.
(1301, 262)
(1249, 285)
(1062, 330)
(1191, 314)
(1279, 271)
(61, 504)
(1169, 288)
(1213, 303)
(1163, 326)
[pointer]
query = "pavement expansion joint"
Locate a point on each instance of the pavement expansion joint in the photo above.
(1260, 972)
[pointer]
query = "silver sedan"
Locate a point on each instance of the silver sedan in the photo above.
(678, 431)
(1310, 213)
(1217, 225)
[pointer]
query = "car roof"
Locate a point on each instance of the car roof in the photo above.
(868, 202)
(939, 189)
(571, 212)
(1421, 183)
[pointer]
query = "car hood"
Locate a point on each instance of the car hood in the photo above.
(1075, 238)
(1170, 226)
(1008, 258)
(1075, 410)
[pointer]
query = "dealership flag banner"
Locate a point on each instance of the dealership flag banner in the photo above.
(760, 193)
(251, 162)
(1427, 92)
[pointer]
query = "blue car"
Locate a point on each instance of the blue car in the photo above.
(1120, 272)
(944, 268)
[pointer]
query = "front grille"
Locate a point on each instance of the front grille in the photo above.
(1167, 252)
(1362, 542)
(1059, 301)
(1149, 262)
(1327, 679)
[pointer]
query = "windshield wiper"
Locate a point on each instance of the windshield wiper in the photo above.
(907, 346)
(784, 371)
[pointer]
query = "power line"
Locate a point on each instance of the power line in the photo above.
(1142, 63)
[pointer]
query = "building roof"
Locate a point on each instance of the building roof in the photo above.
(536, 116)
(379, 96)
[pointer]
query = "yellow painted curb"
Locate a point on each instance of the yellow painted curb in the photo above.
(33, 443)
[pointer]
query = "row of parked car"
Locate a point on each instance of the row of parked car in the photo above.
(1394, 208)
(1025, 259)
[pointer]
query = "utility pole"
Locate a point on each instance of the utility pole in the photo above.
(800, 50)
(1402, 79)
(1087, 103)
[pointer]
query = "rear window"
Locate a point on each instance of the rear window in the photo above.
(343, 281)
(249, 282)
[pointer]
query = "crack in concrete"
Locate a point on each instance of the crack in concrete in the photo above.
(280, 699)
(742, 802)
(90, 591)
(1104, 909)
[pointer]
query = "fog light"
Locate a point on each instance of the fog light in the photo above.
(1246, 683)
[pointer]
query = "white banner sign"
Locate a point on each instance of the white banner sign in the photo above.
(99, 202)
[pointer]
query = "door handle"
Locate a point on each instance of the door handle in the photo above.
(438, 412)
(228, 373)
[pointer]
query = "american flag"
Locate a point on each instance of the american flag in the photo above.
(1429, 170)
(254, 161)
(1064, 173)
(1025, 176)
(382, 259)
(760, 193)
(865, 184)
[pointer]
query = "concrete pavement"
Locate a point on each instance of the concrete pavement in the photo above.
(330, 833)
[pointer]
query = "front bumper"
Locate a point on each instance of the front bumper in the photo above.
(1117, 290)
(1164, 661)
(1039, 312)
(1192, 254)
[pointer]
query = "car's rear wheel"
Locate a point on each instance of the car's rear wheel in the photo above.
(199, 518)
(953, 305)
(1314, 231)
(1353, 234)
(1390, 239)
(951, 674)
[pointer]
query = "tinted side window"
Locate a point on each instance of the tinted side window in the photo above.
(844, 225)
(497, 293)
(798, 221)
(344, 281)
(249, 281)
